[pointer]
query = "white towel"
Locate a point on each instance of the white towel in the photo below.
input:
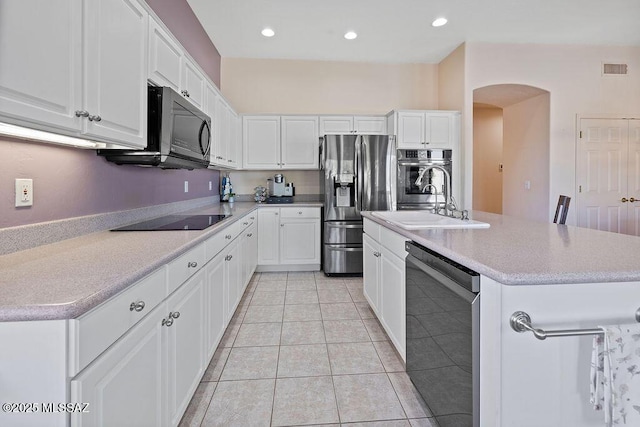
(615, 374)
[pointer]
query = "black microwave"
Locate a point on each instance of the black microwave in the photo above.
(178, 134)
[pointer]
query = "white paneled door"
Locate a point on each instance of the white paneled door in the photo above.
(608, 175)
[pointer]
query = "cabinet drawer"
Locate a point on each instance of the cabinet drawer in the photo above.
(394, 242)
(306, 212)
(184, 266)
(372, 229)
(102, 326)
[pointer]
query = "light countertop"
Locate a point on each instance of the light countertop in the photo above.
(520, 252)
(66, 279)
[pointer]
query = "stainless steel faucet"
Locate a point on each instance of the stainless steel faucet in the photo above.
(448, 200)
(435, 190)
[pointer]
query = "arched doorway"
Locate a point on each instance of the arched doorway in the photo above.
(511, 150)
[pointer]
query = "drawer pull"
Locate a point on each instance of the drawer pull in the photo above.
(192, 264)
(376, 254)
(250, 234)
(228, 237)
(252, 218)
(228, 257)
(137, 306)
(245, 223)
(299, 212)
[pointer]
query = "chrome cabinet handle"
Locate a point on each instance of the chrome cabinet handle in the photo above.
(250, 234)
(376, 254)
(192, 264)
(299, 212)
(245, 223)
(169, 320)
(253, 217)
(228, 237)
(82, 113)
(624, 200)
(95, 118)
(276, 213)
(185, 93)
(228, 257)
(632, 200)
(281, 225)
(137, 306)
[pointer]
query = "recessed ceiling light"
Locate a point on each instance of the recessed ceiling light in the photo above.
(350, 35)
(268, 32)
(439, 22)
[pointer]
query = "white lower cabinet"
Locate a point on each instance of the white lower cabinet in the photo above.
(216, 318)
(384, 280)
(124, 386)
(185, 324)
(289, 239)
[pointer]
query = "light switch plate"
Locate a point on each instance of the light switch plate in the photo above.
(24, 192)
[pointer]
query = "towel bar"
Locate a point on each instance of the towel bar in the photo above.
(521, 322)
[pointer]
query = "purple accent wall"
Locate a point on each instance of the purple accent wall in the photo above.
(178, 16)
(70, 182)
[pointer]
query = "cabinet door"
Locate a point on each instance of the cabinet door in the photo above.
(371, 270)
(221, 130)
(300, 241)
(185, 345)
(215, 310)
(439, 129)
(232, 276)
(261, 142)
(268, 236)
(193, 83)
(123, 386)
(300, 143)
(392, 298)
(370, 125)
(336, 125)
(211, 106)
(40, 61)
(411, 130)
(165, 57)
(115, 73)
(234, 147)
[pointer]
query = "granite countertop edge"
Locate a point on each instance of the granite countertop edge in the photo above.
(79, 306)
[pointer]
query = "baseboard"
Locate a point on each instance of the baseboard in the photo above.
(288, 267)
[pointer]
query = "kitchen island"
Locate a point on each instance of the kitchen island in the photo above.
(564, 277)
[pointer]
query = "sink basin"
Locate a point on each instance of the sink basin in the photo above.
(419, 220)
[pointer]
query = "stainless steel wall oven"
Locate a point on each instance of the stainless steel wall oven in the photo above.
(418, 190)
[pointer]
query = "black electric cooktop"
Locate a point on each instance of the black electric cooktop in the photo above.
(175, 222)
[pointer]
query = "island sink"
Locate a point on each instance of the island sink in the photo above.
(418, 220)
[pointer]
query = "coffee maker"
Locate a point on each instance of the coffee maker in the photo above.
(279, 189)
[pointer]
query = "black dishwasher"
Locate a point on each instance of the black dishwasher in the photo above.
(443, 320)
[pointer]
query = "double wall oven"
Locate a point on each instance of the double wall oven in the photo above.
(421, 178)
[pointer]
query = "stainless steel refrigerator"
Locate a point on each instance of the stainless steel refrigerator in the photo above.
(358, 173)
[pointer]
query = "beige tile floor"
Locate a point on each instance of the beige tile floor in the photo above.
(305, 349)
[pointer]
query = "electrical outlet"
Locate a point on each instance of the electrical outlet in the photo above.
(24, 192)
(186, 186)
(527, 185)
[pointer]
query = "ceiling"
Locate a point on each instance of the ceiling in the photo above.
(400, 31)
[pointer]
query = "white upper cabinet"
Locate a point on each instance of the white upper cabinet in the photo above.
(40, 77)
(426, 129)
(193, 83)
(280, 142)
(300, 144)
(165, 57)
(54, 76)
(261, 142)
(115, 71)
(363, 125)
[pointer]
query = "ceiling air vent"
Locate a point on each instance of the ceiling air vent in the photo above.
(614, 69)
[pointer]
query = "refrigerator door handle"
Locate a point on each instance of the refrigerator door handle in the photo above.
(358, 170)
